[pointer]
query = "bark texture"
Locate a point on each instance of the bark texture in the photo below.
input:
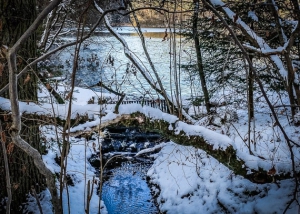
(16, 16)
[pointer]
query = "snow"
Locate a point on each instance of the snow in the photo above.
(78, 168)
(127, 29)
(252, 15)
(148, 150)
(262, 44)
(45, 201)
(190, 180)
(281, 157)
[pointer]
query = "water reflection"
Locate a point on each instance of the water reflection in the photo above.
(127, 192)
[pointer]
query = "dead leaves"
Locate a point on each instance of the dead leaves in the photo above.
(213, 18)
(235, 18)
(165, 36)
(15, 186)
(1, 69)
(19, 61)
(68, 96)
(27, 79)
(272, 171)
(5, 117)
(3, 137)
(10, 148)
(48, 86)
(140, 119)
(23, 169)
(3, 51)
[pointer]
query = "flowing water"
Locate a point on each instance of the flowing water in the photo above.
(127, 191)
(102, 59)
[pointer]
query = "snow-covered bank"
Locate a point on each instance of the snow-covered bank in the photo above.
(192, 182)
(78, 170)
(267, 155)
(189, 179)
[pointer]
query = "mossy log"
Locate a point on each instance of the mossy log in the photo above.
(227, 157)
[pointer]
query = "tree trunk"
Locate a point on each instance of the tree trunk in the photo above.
(23, 173)
(16, 16)
(199, 57)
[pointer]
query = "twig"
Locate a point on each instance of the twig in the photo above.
(8, 185)
(37, 199)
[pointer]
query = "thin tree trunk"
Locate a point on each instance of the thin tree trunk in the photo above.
(163, 91)
(199, 57)
(48, 26)
(143, 71)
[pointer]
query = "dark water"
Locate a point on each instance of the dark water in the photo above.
(127, 192)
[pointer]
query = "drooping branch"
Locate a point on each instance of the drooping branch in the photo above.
(122, 95)
(158, 80)
(260, 84)
(219, 146)
(46, 55)
(131, 56)
(260, 43)
(289, 142)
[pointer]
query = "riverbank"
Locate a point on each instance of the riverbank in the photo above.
(187, 177)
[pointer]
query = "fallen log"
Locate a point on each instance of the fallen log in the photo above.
(226, 155)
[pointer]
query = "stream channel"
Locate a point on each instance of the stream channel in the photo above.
(125, 188)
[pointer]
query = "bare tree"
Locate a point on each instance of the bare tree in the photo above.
(12, 50)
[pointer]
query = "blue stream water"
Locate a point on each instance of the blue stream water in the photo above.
(126, 192)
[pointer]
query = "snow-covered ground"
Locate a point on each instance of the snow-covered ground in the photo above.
(189, 180)
(78, 169)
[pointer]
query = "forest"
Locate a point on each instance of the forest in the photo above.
(154, 106)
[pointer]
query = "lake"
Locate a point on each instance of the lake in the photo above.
(102, 59)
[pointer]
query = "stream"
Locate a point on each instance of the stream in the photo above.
(125, 189)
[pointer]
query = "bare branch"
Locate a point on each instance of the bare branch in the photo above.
(35, 24)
